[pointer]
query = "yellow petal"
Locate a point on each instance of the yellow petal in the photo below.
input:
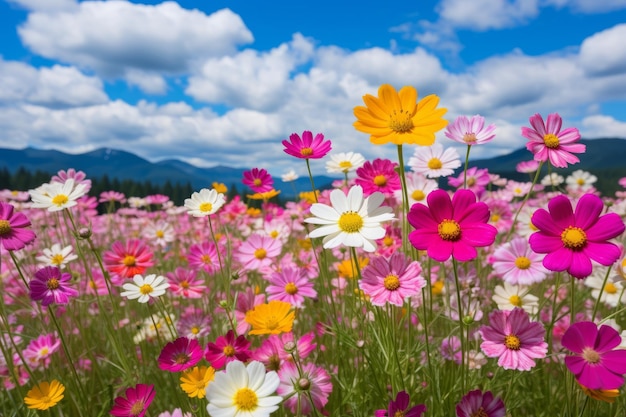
(408, 99)
(376, 107)
(389, 97)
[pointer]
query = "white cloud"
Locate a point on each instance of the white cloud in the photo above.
(480, 15)
(602, 126)
(604, 52)
(46, 5)
(589, 6)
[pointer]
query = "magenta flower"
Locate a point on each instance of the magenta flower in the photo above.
(204, 256)
(39, 351)
(297, 384)
(136, 403)
(572, 239)
(50, 286)
(399, 407)
(291, 285)
(227, 349)
(258, 180)
(595, 363)
(181, 354)
(185, 283)
(378, 175)
(454, 227)
(549, 143)
(476, 403)
(307, 147)
(470, 131)
(513, 339)
(14, 234)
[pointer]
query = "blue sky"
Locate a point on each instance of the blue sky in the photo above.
(223, 82)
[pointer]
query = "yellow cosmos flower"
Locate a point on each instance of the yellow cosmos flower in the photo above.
(45, 395)
(271, 318)
(264, 196)
(347, 267)
(220, 187)
(309, 196)
(398, 118)
(195, 380)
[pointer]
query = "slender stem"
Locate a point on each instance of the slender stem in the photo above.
(466, 165)
(526, 197)
(461, 324)
(595, 307)
(308, 167)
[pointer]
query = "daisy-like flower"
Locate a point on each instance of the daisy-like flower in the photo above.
(470, 130)
(226, 349)
(50, 286)
(516, 263)
(307, 147)
(400, 407)
(433, 161)
(289, 176)
(548, 142)
(392, 280)
(344, 162)
(572, 239)
(181, 354)
(14, 232)
(57, 256)
(204, 256)
(580, 180)
(596, 362)
(273, 317)
(418, 187)
(160, 232)
(145, 288)
(258, 251)
(291, 285)
(44, 395)
(302, 384)
(194, 381)
(129, 259)
(477, 403)
(243, 390)
(398, 118)
(612, 291)
(185, 283)
(204, 203)
(552, 180)
(513, 339)
(508, 296)
(379, 175)
(351, 220)
(448, 227)
(112, 197)
(258, 180)
(56, 196)
(136, 403)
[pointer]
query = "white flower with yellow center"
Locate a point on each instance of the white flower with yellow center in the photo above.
(344, 162)
(57, 196)
(351, 220)
(144, 288)
(508, 296)
(580, 180)
(434, 161)
(57, 256)
(243, 391)
(204, 203)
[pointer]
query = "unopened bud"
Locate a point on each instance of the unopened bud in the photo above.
(289, 347)
(304, 384)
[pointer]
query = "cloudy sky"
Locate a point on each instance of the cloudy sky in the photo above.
(223, 82)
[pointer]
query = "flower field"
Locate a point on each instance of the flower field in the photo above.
(402, 291)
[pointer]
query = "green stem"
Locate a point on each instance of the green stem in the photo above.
(595, 307)
(467, 153)
(308, 167)
(526, 197)
(461, 324)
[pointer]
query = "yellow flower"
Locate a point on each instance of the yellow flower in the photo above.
(195, 380)
(347, 267)
(606, 395)
(264, 196)
(398, 118)
(220, 187)
(45, 395)
(271, 318)
(309, 196)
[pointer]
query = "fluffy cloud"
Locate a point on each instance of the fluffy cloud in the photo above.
(589, 6)
(481, 15)
(601, 126)
(604, 52)
(46, 5)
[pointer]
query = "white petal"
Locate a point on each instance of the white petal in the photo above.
(339, 201)
(256, 375)
(324, 230)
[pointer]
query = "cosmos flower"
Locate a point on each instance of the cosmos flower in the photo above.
(204, 203)
(307, 147)
(14, 232)
(136, 403)
(179, 355)
(258, 180)
(344, 162)
(548, 143)
(145, 288)
(470, 130)
(51, 286)
(477, 403)
(379, 175)
(57, 196)
(44, 395)
(433, 161)
(400, 407)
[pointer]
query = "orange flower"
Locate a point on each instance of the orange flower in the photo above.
(271, 318)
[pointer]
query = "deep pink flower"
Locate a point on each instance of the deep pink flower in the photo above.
(128, 260)
(204, 256)
(307, 147)
(226, 349)
(50, 286)
(470, 130)
(136, 403)
(308, 379)
(596, 362)
(291, 285)
(547, 142)
(181, 354)
(572, 239)
(14, 234)
(399, 406)
(476, 403)
(185, 283)
(448, 227)
(258, 180)
(378, 175)
(513, 339)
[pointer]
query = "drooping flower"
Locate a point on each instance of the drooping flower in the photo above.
(243, 390)
(51, 286)
(44, 395)
(14, 234)
(57, 196)
(451, 227)
(596, 362)
(291, 285)
(513, 339)
(548, 142)
(379, 175)
(258, 180)
(307, 147)
(194, 381)
(136, 403)
(307, 386)
(344, 162)
(129, 259)
(517, 264)
(470, 130)
(351, 220)
(477, 403)
(433, 161)
(273, 317)
(226, 349)
(398, 118)
(400, 407)
(204, 203)
(179, 355)
(144, 288)
(572, 239)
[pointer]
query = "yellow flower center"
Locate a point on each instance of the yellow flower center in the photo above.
(590, 355)
(522, 262)
(479, 413)
(137, 408)
(129, 260)
(306, 151)
(160, 233)
(437, 288)
(350, 222)
(517, 190)
(272, 322)
(260, 253)
(345, 165)
(291, 288)
(257, 182)
(610, 288)
(435, 163)
(580, 181)
(57, 259)
(400, 121)
(5, 227)
(392, 282)
(274, 234)
(184, 284)
(551, 141)
(229, 350)
(471, 181)
(206, 259)
(206, 207)
(449, 230)
(245, 399)
(380, 180)
(495, 218)
(387, 241)
(574, 237)
(398, 414)
(469, 138)
(53, 284)
(44, 351)
(146, 289)
(92, 284)
(418, 195)
(59, 200)
(512, 342)
(532, 226)
(195, 330)
(181, 358)
(515, 300)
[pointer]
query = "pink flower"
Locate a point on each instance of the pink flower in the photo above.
(258, 180)
(50, 286)
(470, 131)
(476, 179)
(291, 285)
(378, 175)
(549, 143)
(307, 147)
(227, 349)
(77, 176)
(181, 354)
(596, 362)
(513, 339)
(477, 403)
(517, 264)
(184, 283)
(398, 407)
(111, 197)
(392, 280)
(258, 251)
(14, 234)
(136, 403)
(297, 385)
(527, 167)
(448, 227)
(39, 351)
(204, 256)
(572, 239)
(128, 260)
